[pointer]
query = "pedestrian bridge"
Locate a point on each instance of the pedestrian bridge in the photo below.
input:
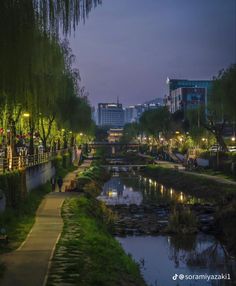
(113, 147)
(124, 168)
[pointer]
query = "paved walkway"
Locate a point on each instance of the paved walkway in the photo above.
(29, 264)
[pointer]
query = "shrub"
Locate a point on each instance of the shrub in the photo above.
(182, 221)
(13, 184)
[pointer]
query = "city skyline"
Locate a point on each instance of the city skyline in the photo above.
(137, 45)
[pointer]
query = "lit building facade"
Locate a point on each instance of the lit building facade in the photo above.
(187, 94)
(110, 115)
(130, 114)
(114, 135)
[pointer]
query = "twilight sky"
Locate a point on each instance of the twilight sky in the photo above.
(127, 48)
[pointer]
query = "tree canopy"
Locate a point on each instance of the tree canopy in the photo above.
(36, 74)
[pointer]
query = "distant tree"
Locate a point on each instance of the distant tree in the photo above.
(130, 132)
(100, 134)
(220, 110)
(156, 121)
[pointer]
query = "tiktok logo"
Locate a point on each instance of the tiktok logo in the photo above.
(175, 277)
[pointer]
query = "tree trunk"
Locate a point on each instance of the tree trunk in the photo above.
(221, 142)
(31, 145)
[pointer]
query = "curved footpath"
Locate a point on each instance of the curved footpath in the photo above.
(30, 263)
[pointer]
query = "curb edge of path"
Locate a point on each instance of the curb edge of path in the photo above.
(52, 253)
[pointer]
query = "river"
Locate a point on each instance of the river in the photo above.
(168, 260)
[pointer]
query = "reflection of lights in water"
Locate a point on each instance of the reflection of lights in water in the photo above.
(144, 180)
(181, 197)
(171, 192)
(150, 181)
(155, 184)
(124, 187)
(112, 193)
(162, 189)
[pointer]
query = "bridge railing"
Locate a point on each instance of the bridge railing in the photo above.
(21, 162)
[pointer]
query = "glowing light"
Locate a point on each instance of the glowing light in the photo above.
(162, 189)
(233, 139)
(177, 132)
(181, 197)
(112, 193)
(81, 134)
(26, 114)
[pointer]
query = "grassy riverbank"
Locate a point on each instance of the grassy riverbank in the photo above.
(87, 254)
(197, 186)
(19, 221)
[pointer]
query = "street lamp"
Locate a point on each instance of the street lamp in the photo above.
(26, 114)
(233, 139)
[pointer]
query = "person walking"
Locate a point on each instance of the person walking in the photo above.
(53, 183)
(60, 183)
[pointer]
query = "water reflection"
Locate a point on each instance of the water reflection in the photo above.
(162, 257)
(134, 189)
(116, 192)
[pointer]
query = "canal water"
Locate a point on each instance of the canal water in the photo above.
(136, 189)
(168, 260)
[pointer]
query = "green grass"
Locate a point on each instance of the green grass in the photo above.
(62, 172)
(18, 222)
(182, 221)
(218, 174)
(2, 269)
(98, 258)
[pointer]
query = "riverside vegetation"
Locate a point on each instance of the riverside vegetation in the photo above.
(87, 254)
(223, 196)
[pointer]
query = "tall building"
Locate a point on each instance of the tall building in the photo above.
(110, 115)
(187, 94)
(130, 114)
(94, 114)
(152, 104)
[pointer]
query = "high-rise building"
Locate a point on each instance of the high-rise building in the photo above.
(110, 115)
(130, 114)
(94, 114)
(187, 94)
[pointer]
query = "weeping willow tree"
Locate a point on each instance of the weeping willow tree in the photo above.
(53, 14)
(35, 67)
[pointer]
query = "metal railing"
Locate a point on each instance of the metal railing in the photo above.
(22, 162)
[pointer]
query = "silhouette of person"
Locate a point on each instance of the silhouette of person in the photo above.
(60, 183)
